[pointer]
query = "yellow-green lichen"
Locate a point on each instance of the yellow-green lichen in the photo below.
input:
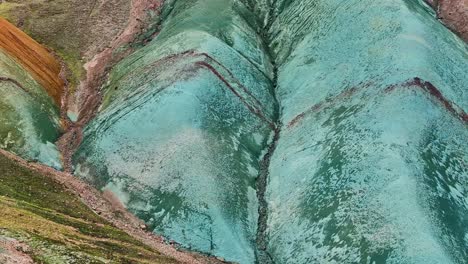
(57, 226)
(5, 9)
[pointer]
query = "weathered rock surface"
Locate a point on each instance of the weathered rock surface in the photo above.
(363, 168)
(182, 128)
(454, 14)
(49, 216)
(313, 131)
(370, 164)
(31, 89)
(74, 29)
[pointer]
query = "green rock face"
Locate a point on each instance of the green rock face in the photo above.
(367, 101)
(29, 119)
(370, 164)
(183, 126)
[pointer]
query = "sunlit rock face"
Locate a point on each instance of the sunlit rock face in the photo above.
(371, 162)
(369, 101)
(183, 125)
(454, 14)
(29, 118)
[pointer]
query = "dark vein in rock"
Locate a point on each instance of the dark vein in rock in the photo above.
(262, 254)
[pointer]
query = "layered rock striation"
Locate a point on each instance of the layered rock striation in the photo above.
(271, 131)
(334, 111)
(31, 88)
(182, 127)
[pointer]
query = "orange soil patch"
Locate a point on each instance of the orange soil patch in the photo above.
(42, 66)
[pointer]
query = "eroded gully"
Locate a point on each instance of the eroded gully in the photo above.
(262, 254)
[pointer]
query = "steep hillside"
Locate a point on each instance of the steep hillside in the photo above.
(45, 223)
(454, 14)
(44, 68)
(48, 216)
(256, 131)
(332, 112)
(31, 89)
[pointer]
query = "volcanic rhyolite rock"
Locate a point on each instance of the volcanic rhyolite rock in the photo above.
(365, 168)
(48, 216)
(88, 35)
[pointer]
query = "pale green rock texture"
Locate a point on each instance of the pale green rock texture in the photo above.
(367, 100)
(371, 162)
(29, 119)
(182, 128)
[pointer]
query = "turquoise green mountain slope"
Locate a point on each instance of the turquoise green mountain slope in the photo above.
(263, 131)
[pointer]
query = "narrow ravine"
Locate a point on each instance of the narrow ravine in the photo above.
(176, 140)
(86, 101)
(262, 254)
(261, 241)
(141, 87)
(91, 98)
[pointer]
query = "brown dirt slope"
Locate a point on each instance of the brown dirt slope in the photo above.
(44, 68)
(43, 221)
(75, 30)
(454, 14)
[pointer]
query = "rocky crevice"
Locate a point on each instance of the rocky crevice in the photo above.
(262, 254)
(87, 100)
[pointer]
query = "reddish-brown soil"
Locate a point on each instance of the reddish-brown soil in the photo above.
(13, 252)
(44, 68)
(87, 98)
(454, 14)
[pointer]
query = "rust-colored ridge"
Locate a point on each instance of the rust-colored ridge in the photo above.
(42, 65)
